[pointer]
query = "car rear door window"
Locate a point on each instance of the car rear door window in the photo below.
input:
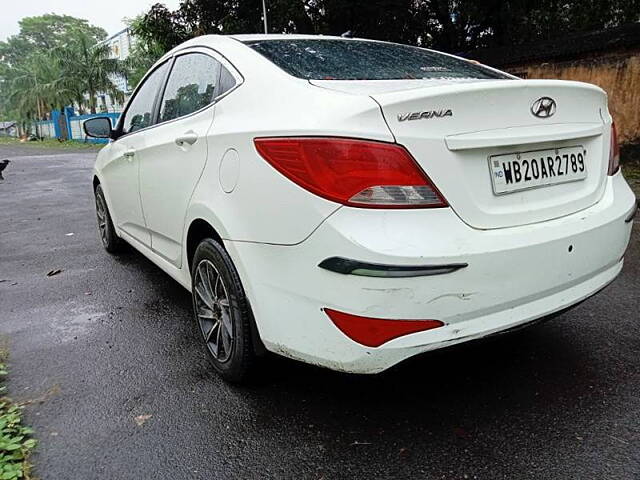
(334, 59)
(191, 86)
(140, 111)
(227, 81)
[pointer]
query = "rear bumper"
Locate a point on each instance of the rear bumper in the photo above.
(514, 276)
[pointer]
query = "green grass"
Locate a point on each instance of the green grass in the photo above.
(50, 143)
(631, 172)
(16, 442)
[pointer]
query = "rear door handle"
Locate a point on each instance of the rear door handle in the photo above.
(189, 137)
(129, 154)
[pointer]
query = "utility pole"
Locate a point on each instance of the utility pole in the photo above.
(264, 16)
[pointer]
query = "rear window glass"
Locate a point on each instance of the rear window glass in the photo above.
(333, 59)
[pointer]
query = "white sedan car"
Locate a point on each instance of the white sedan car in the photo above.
(352, 203)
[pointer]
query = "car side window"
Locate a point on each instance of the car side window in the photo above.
(226, 83)
(191, 86)
(140, 110)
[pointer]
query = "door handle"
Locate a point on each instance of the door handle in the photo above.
(129, 154)
(189, 137)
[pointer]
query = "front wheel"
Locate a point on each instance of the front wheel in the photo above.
(222, 312)
(110, 240)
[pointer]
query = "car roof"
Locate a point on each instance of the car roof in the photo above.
(222, 41)
(250, 37)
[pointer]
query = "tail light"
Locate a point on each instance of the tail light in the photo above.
(353, 172)
(614, 151)
(373, 332)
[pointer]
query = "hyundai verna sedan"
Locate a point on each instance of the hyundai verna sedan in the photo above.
(352, 203)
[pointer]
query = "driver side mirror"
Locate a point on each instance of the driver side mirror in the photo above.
(98, 127)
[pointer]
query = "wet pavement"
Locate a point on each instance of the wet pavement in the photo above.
(106, 354)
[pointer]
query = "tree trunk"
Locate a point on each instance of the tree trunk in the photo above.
(92, 100)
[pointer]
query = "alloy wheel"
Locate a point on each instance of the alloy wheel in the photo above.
(101, 213)
(213, 311)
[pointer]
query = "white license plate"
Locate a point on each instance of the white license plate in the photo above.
(519, 171)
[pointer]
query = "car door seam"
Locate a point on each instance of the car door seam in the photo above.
(384, 119)
(144, 217)
(196, 184)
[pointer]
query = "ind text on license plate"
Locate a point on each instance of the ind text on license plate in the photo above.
(519, 171)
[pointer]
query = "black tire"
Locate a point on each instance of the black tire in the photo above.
(234, 363)
(110, 240)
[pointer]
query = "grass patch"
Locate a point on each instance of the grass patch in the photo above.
(16, 442)
(631, 172)
(630, 163)
(51, 143)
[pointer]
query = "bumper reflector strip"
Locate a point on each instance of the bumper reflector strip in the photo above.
(633, 213)
(364, 269)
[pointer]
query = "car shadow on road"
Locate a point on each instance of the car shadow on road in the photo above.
(455, 394)
(532, 357)
(522, 366)
(487, 396)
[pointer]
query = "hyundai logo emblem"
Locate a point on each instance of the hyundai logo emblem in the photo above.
(544, 107)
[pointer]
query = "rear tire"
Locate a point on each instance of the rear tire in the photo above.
(221, 311)
(110, 240)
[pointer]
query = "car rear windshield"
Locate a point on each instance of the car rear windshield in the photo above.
(334, 59)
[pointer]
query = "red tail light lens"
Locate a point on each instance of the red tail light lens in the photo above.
(373, 332)
(614, 152)
(353, 172)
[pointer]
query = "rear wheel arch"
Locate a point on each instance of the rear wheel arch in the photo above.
(198, 230)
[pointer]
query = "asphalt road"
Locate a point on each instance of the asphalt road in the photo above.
(110, 339)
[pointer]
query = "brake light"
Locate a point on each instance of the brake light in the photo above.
(373, 332)
(353, 172)
(614, 151)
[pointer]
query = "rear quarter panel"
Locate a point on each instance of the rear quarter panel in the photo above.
(258, 204)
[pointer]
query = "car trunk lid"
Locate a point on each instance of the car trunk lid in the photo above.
(454, 129)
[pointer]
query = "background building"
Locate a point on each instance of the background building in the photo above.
(120, 46)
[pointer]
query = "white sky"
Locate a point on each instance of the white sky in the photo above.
(108, 14)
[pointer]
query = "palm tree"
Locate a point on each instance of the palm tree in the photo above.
(88, 69)
(45, 80)
(36, 85)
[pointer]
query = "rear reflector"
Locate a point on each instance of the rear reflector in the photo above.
(359, 173)
(373, 332)
(614, 151)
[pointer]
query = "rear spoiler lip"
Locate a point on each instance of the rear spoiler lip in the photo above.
(422, 93)
(523, 135)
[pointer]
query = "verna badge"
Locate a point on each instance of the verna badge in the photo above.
(544, 107)
(427, 114)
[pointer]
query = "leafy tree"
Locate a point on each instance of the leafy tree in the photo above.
(52, 31)
(32, 88)
(88, 68)
(451, 25)
(36, 84)
(44, 33)
(53, 61)
(148, 47)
